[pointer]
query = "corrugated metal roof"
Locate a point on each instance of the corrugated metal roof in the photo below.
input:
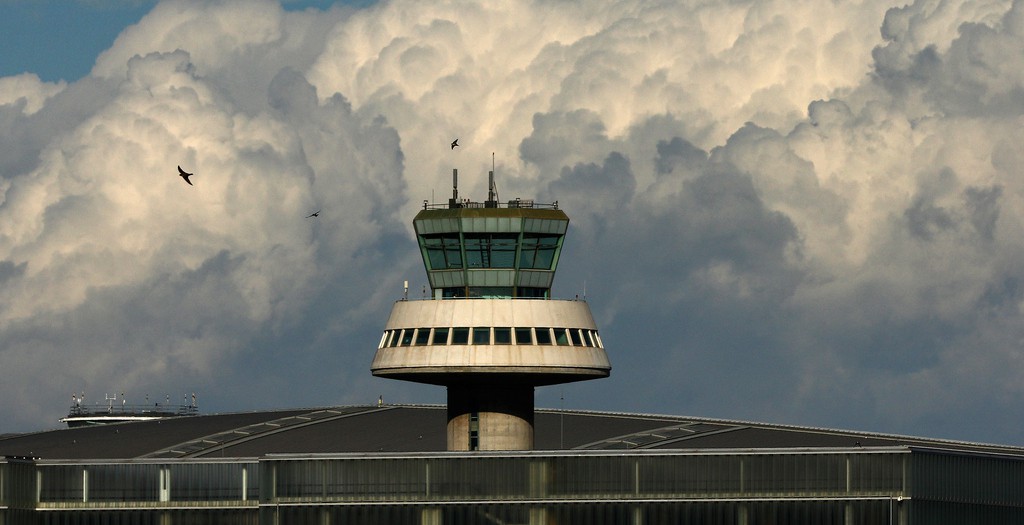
(411, 428)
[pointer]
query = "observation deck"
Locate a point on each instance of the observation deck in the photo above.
(537, 342)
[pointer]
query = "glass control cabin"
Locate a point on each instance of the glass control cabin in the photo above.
(491, 252)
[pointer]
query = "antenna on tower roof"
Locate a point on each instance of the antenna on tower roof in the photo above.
(491, 202)
(491, 190)
(454, 202)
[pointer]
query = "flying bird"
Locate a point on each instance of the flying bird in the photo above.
(185, 175)
(314, 214)
(455, 143)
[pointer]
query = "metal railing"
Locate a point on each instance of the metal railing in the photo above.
(126, 409)
(512, 204)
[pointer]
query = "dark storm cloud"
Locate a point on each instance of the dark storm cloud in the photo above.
(680, 153)
(983, 205)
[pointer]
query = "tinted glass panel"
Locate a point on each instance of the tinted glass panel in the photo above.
(524, 291)
(543, 336)
(440, 336)
(529, 252)
(491, 291)
(435, 253)
(524, 336)
(481, 335)
(453, 253)
(544, 259)
(422, 335)
(449, 293)
(443, 251)
(407, 336)
(503, 336)
(490, 250)
(560, 337)
(476, 251)
(503, 251)
(538, 251)
(460, 336)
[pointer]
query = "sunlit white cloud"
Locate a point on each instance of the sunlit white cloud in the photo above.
(800, 212)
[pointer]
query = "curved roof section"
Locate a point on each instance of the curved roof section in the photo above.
(414, 428)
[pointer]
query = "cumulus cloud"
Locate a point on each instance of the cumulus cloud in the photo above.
(798, 212)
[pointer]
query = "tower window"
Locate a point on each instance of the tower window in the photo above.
(502, 336)
(460, 336)
(490, 291)
(452, 293)
(440, 336)
(442, 251)
(531, 292)
(543, 336)
(482, 335)
(474, 431)
(523, 336)
(407, 337)
(576, 339)
(422, 336)
(561, 337)
(491, 250)
(538, 251)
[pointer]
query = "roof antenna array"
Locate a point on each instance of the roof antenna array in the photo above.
(454, 202)
(491, 202)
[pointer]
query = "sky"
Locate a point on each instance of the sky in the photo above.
(802, 212)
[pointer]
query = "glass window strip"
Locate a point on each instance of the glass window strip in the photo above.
(482, 335)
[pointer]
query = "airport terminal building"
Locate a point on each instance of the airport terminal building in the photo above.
(490, 333)
(387, 464)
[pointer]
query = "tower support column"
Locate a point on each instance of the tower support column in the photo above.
(490, 417)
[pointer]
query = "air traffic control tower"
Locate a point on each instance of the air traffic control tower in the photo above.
(490, 330)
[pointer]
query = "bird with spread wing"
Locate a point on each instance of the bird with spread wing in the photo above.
(185, 175)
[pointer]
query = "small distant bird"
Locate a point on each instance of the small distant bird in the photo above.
(185, 175)
(455, 143)
(314, 214)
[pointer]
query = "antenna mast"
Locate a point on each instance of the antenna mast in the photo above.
(454, 202)
(491, 202)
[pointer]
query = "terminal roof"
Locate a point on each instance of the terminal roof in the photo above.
(417, 428)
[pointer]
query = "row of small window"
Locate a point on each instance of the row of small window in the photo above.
(485, 335)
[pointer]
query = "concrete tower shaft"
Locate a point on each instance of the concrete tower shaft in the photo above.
(489, 330)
